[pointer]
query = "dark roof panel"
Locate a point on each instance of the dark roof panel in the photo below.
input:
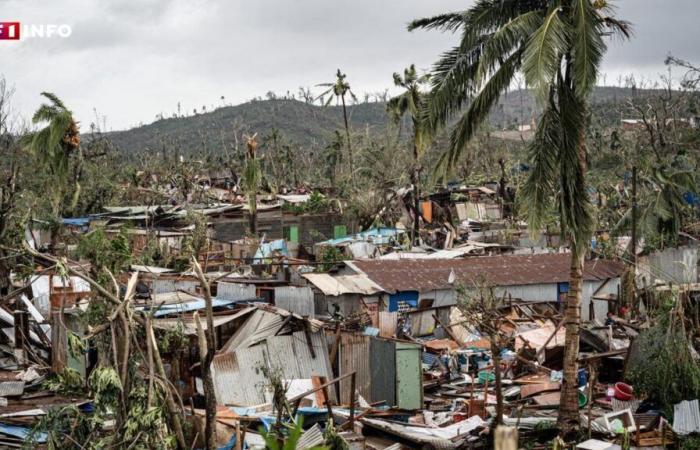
(511, 270)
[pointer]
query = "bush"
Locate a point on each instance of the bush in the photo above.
(662, 367)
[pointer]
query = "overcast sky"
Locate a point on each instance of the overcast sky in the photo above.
(132, 60)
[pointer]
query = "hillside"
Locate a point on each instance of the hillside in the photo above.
(304, 124)
(310, 125)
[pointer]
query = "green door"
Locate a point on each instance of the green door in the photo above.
(291, 233)
(340, 231)
(409, 376)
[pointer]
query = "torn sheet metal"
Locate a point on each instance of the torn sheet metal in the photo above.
(22, 433)
(313, 437)
(11, 388)
(686, 417)
(344, 284)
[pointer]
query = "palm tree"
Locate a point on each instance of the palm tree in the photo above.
(558, 45)
(55, 144)
(663, 203)
(251, 181)
(339, 89)
(412, 101)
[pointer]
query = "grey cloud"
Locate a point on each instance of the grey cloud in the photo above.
(133, 60)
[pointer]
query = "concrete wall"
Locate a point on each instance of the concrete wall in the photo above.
(675, 265)
(312, 227)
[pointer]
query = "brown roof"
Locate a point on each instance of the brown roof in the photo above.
(511, 270)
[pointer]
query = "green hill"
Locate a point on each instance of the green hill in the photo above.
(304, 124)
(312, 125)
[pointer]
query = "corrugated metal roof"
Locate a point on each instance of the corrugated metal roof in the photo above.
(189, 325)
(11, 388)
(311, 438)
(512, 270)
(343, 284)
(258, 327)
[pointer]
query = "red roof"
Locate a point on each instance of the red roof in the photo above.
(512, 270)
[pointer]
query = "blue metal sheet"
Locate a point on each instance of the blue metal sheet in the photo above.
(190, 306)
(408, 297)
(22, 433)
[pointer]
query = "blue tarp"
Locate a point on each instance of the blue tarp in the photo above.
(267, 249)
(691, 198)
(379, 236)
(22, 433)
(190, 306)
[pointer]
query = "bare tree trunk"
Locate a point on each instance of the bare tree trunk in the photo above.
(568, 411)
(173, 410)
(207, 348)
(253, 213)
(496, 356)
(347, 133)
(415, 238)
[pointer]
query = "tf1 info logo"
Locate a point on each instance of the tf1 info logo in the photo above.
(12, 31)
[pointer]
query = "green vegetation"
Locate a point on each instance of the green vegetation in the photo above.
(662, 366)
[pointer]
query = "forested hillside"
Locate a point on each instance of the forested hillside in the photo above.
(311, 125)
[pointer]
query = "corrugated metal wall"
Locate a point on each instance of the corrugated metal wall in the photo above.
(298, 300)
(289, 354)
(230, 368)
(353, 355)
(235, 291)
(161, 286)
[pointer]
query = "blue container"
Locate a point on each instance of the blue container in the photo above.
(582, 377)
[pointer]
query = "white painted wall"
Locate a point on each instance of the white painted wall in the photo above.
(538, 292)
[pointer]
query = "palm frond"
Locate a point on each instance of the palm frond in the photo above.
(45, 113)
(452, 83)
(542, 57)
(505, 40)
(588, 46)
(540, 186)
(576, 209)
(444, 22)
(622, 29)
(53, 98)
(481, 106)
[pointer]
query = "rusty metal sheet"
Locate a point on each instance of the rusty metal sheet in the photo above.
(504, 270)
(354, 355)
(550, 399)
(534, 389)
(387, 323)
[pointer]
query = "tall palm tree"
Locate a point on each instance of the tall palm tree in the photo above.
(558, 45)
(55, 144)
(339, 89)
(251, 181)
(411, 102)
